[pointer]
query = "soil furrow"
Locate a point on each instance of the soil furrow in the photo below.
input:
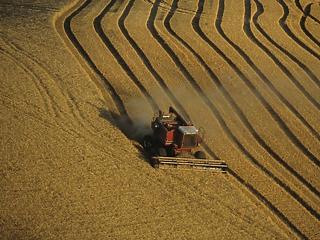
(303, 67)
(36, 116)
(118, 57)
(236, 108)
(287, 30)
(216, 113)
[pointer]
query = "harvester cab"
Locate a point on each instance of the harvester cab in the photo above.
(175, 142)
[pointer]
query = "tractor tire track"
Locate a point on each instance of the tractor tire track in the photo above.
(235, 106)
(36, 116)
(52, 125)
(118, 57)
(304, 67)
(64, 126)
(72, 106)
(245, 79)
(283, 23)
(232, 137)
(299, 6)
(302, 23)
(47, 101)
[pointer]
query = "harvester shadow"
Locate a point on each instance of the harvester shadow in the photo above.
(131, 131)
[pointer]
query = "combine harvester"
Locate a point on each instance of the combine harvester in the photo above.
(175, 143)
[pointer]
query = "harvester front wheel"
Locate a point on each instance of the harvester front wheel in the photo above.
(200, 155)
(147, 143)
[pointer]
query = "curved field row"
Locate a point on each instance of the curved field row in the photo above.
(290, 31)
(134, 71)
(196, 201)
(302, 6)
(304, 28)
(217, 112)
(283, 43)
(226, 94)
(259, 91)
(303, 67)
(298, 25)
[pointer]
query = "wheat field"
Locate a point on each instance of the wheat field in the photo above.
(82, 79)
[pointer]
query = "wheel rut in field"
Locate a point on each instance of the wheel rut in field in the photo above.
(46, 97)
(72, 107)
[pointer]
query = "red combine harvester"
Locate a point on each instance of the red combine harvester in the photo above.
(175, 142)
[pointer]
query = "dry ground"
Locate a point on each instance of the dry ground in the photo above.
(73, 72)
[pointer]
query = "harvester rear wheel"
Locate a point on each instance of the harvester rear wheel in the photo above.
(200, 155)
(162, 152)
(171, 151)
